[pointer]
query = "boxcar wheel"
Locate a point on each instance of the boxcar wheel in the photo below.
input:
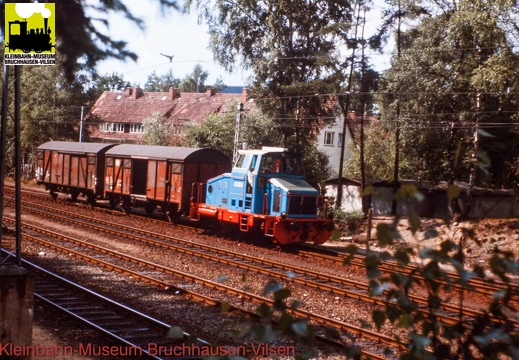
(149, 209)
(91, 200)
(126, 207)
(113, 201)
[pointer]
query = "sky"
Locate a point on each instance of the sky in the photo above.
(174, 34)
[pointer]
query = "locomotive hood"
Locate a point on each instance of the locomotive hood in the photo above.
(294, 186)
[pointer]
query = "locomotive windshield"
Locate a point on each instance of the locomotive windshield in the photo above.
(281, 163)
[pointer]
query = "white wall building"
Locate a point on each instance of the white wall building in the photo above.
(330, 139)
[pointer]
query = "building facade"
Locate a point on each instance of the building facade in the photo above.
(117, 117)
(331, 137)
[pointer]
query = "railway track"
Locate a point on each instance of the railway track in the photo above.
(133, 334)
(295, 274)
(371, 339)
(281, 271)
(481, 286)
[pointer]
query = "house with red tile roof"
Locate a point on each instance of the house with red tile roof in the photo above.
(117, 117)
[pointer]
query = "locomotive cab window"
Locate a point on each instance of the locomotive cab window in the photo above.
(243, 161)
(287, 164)
(270, 164)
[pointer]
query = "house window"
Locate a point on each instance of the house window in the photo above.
(339, 140)
(106, 127)
(328, 138)
(112, 127)
(136, 128)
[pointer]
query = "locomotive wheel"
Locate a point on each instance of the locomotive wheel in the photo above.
(258, 233)
(74, 195)
(26, 50)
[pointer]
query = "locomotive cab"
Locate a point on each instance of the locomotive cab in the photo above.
(247, 188)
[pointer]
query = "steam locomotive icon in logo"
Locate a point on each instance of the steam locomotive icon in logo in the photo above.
(34, 36)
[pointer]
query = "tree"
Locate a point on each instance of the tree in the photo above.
(195, 82)
(50, 108)
(161, 83)
(107, 82)
(451, 80)
(378, 154)
(157, 130)
(292, 48)
(257, 129)
(217, 131)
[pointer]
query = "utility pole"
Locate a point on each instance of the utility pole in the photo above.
(397, 131)
(81, 123)
(3, 139)
(345, 110)
(17, 156)
(18, 165)
(237, 132)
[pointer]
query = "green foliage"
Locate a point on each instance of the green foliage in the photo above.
(157, 130)
(50, 108)
(378, 154)
(484, 336)
(215, 132)
(107, 82)
(218, 130)
(293, 50)
(456, 69)
(194, 82)
(161, 83)
(347, 221)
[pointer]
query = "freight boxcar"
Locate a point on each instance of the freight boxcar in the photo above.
(72, 168)
(158, 176)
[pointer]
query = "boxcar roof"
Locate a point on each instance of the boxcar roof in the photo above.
(74, 147)
(162, 152)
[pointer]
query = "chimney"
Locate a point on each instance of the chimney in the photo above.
(173, 93)
(137, 93)
(210, 92)
(128, 91)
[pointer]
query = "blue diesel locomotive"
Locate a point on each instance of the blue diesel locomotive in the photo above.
(266, 193)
